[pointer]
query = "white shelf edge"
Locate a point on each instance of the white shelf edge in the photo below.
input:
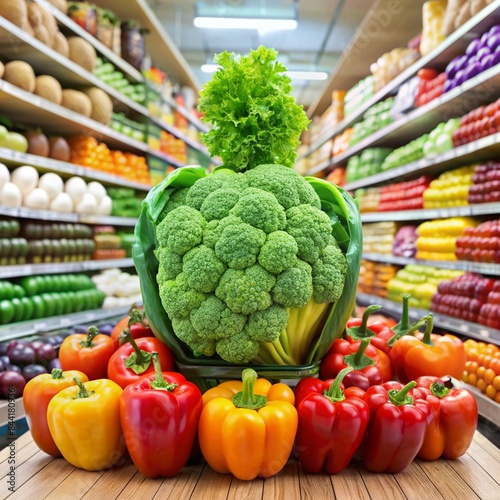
(486, 407)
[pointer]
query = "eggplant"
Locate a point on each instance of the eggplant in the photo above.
(14, 368)
(483, 52)
(494, 41)
(45, 353)
(106, 329)
(12, 384)
(2, 368)
(3, 348)
(22, 355)
(54, 363)
(5, 360)
(31, 371)
(473, 47)
(487, 62)
(471, 71)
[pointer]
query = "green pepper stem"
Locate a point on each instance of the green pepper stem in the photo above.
(135, 316)
(125, 337)
(56, 373)
(361, 351)
(82, 393)
(159, 382)
(247, 398)
(92, 332)
(439, 389)
(364, 319)
(405, 313)
(428, 330)
(334, 393)
(400, 398)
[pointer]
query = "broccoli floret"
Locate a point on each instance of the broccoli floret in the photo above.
(214, 228)
(199, 344)
(200, 190)
(311, 229)
(214, 320)
(202, 269)
(328, 274)
(218, 204)
(261, 210)
(181, 230)
(294, 286)
(170, 264)
(246, 291)
(266, 325)
(279, 252)
(178, 298)
(289, 187)
(238, 349)
(239, 245)
(176, 200)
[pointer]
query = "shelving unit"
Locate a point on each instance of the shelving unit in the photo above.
(452, 46)
(485, 406)
(62, 267)
(458, 265)
(472, 330)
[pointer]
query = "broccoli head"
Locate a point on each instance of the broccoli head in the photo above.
(237, 252)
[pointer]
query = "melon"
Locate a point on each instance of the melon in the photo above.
(77, 101)
(2, 69)
(61, 44)
(42, 34)
(15, 11)
(59, 149)
(102, 106)
(21, 75)
(82, 53)
(48, 88)
(35, 15)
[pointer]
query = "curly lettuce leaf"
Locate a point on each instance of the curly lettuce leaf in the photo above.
(256, 120)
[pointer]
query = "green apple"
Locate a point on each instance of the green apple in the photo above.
(14, 141)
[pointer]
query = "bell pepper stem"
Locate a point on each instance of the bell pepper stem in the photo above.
(135, 316)
(400, 398)
(125, 337)
(359, 359)
(428, 330)
(56, 373)
(439, 389)
(363, 331)
(82, 393)
(159, 383)
(247, 398)
(334, 393)
(92, 332)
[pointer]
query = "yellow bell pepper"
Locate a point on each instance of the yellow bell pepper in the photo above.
(432, 25)
(247, 434)
(84, 421)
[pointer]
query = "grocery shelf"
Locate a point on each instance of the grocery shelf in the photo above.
(180, 135)
(321, 166)
(458, 265)
(188, 115)
(161, 48)
(467, 328)
(44, 325)
(453, 45)
(433, 213)
(62, 267)
(111, 220)
(73, 27)
(33, 110)
(486, 407)
(482, 89)
(16, 44)
(14, 158)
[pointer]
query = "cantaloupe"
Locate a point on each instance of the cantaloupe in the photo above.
(61, 44)
(21, 75)
(77, 101)
(81, 52)
(2, 69)
(48, 88)
(42, 34)
(50, 24)
(35, 14)
(102, 106)
(15, 11)
(62, 5)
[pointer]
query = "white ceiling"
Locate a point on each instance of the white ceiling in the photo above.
(300, 48)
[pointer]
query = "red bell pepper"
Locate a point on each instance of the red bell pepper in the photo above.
(312, 385)
(134, 359)
(455, 419)
(159, 416)
(136, 322)
(428, 354)
(331, 428)
(396, 431)
(87, 353)
(371, 366)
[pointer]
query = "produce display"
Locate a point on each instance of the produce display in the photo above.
(379, 237)
(450, 189)
(459, 12)
(391, 64)
(409, 153)
(107, 244)
(373, 277)
(478, 123)
(243, 255)
(331, 117)
(341, 142)
(368, 199)
(482, 368)
(13, 140)
(368, 163)
(420, 282)
(406, 195)
(440, 139)
(433, 13)
(126, 126)
(486, 185)
(35, 297)
(375, 118)
(437, 239)
(358, 95)
(120, 288)
(125, 202)
(431, 85)
(405, 240)
(480, 243)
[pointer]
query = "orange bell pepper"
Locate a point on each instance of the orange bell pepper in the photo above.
(427, 353)
(36, 398)
(247, 435)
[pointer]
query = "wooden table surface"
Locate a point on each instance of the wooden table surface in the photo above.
(39, 476)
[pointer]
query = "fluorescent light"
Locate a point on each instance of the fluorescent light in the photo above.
(294, 75)
(244, 23)
(307, 75)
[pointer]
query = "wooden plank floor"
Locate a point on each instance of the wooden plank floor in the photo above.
(39, 476)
